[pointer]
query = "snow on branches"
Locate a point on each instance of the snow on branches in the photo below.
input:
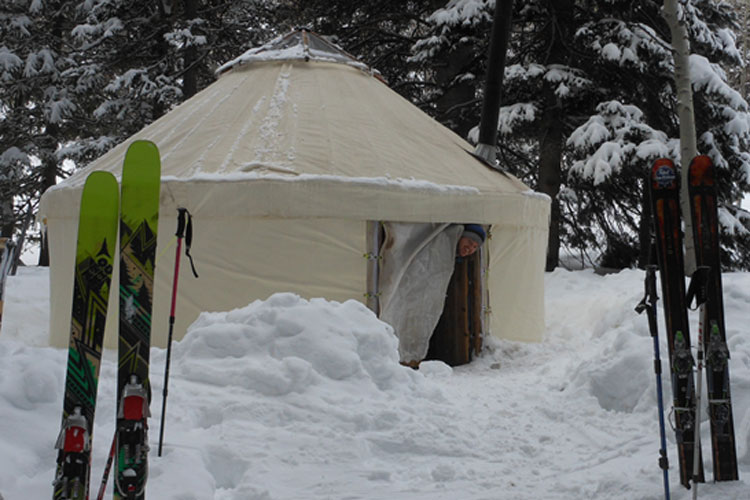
(614, 137)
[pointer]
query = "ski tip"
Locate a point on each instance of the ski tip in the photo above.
(101, 193)
(663, 174)
(143, 144)
(100, 177)
(701, 171)
(142, 163)
(142, 151)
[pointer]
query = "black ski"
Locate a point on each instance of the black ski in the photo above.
(664, 185)
(703, 206)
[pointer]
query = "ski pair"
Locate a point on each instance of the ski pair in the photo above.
(664, 189)
(137, 208)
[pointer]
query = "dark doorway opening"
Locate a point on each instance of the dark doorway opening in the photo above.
(458, 335)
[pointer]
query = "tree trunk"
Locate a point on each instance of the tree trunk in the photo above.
(190, 78)
(487, 147)
(743, 42)
(644, 230)
(688, 141)
(48, 143)
(551, 137)
(550, 157)
(44, 248)
(49, 175)
(7, 217)
(452, 105)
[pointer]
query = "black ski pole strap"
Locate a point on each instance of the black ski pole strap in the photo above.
(698, 288)
(185, 229)
(649, 295)
(181, 215)
(648, 303)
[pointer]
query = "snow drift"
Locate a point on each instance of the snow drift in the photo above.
(289, 398)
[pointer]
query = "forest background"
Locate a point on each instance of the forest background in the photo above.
(588, 99)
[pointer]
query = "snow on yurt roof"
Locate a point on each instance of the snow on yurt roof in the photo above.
(298, 45)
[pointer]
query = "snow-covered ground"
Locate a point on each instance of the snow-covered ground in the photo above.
(296, 399)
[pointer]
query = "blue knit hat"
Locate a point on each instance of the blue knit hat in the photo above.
(474, 232)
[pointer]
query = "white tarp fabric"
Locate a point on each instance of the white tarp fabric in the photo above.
(418, 262)
(282, 163)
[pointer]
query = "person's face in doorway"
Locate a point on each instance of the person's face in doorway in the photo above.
(467, 246)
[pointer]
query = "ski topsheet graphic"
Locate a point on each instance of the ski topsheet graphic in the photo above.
(703, 205)
(95, 251)
(139, 216)
(664, 193)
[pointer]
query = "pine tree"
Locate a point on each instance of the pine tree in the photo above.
(638, 123)
(42, 104)
(78, 77)
(154, 55)
(589, 103)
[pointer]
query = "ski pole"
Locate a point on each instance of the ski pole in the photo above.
(184, 226)
(180, 234)
(697, 428)
(107, 467)
(697, 289)
(649, 304)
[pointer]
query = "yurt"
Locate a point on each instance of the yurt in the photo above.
(290, 164)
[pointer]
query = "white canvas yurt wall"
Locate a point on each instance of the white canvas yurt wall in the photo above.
(282, 162)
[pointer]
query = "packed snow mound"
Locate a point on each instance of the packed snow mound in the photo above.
(287, 344)
(28, 381)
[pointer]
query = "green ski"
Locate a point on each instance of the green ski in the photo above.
(139, 215)
(97, 244)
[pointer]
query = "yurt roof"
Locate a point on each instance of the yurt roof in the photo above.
(298, 127)
(300, 45)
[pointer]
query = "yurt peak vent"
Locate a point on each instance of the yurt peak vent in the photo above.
(298, 45)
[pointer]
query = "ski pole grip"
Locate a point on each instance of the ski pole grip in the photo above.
(181, 215)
